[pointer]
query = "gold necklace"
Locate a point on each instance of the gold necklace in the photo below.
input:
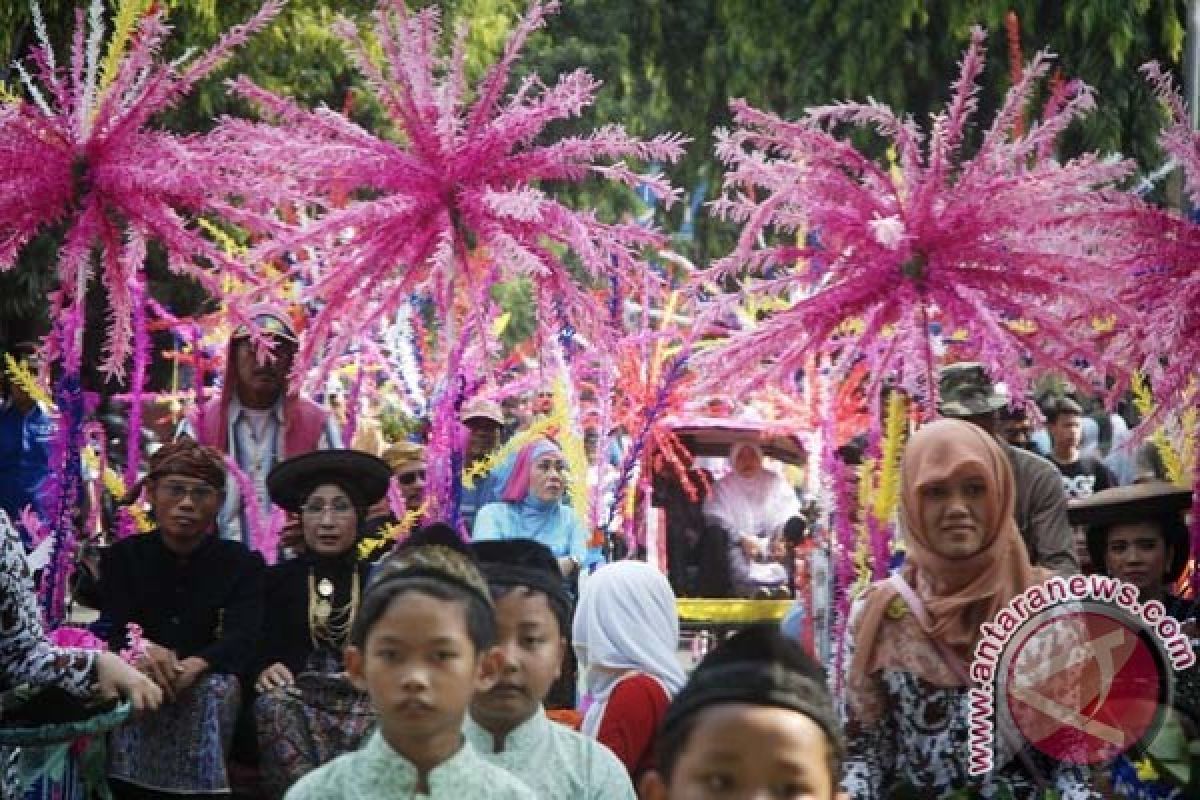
(321, 613)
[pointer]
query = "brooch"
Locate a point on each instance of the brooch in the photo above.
(896, 609)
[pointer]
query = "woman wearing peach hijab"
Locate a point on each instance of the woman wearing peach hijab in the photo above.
(910, 639)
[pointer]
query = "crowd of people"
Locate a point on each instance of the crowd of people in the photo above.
(497, 664)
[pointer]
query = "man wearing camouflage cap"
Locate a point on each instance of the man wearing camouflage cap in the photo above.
(968, 394)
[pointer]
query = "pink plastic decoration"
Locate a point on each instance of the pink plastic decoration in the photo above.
(1018, 253)
(1167, 291)
(1167, 288)
(82, 153)
(455, 199)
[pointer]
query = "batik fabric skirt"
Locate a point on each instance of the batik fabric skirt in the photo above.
(182, 747)
(306, 725)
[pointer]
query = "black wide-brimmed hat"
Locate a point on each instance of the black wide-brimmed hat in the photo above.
(360, 475)
(1154, 501)
(1126, 504)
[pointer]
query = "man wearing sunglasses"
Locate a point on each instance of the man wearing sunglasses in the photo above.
(407, 461)
(259, 419)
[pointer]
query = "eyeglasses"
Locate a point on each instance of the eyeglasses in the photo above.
(409, 478)
(175, 492)
(339, 508)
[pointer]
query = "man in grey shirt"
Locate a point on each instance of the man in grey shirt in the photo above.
(1041, 505)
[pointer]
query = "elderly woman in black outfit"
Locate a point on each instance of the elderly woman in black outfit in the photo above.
(306, 713)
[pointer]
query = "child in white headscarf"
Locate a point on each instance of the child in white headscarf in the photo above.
(626, 635)
(753, 504)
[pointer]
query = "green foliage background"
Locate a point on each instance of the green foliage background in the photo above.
(672, 65)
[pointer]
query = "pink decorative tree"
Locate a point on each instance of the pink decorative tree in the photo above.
(1166, 343)
(1018, 251)
(81, 153)
(456, 200)
(459, 197)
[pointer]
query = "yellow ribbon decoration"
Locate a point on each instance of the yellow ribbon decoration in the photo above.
(657, 359)
(887, 492)
(573, 450)
(116, 487)
(128, 14)
(24, 378)
(862, 549)
(879, 486)
(1021, 326)
(1190, 424)
(1145, 770)
(1176, 462)
(500, 323)
(392, 533)
(705, 610)
(231, 247)
(7, 96)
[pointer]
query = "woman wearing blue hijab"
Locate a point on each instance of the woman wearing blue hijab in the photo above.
(531, 507)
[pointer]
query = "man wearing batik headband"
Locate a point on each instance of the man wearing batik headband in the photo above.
(257, 419)
(199, 602)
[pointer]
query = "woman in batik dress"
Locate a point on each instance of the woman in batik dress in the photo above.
(307, 713)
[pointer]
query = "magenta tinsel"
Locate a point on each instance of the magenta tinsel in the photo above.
(843, 504)
(1166, 288)
(649, 416)
(447, 438)
(64, 493)
(604, 392)
(141, 355)
(257, 534)
(84, 156)
(974, 243)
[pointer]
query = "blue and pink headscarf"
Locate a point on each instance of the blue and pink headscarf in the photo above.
(515, 488)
